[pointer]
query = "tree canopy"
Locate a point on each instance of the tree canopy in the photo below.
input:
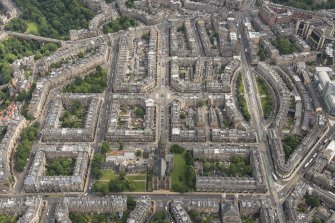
(27, 137)
(160, 217)
(55, 18)
(62, 166)
(14, 48)
(312, 201)
(74, 115)
(105, 147)
(175, 148)
(308, 4)
(284, 46)
(290, 143)
(122, 23)
(95, 82)
(96, 165)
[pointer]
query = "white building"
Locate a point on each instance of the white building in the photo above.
(121, 157)
(325, 78)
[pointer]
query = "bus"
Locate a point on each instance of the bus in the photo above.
(274, 177)
(306, 165)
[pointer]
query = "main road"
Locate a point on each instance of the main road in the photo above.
(257, 119)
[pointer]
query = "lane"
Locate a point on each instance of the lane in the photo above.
(257, 120)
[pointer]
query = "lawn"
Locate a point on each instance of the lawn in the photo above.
(137, 177)
(8, 218)
(241, 97)
(107, 175)
(100, 184)
(178, 172)
(138, 186)
(137, 181)
(265, 96)
(32, 28)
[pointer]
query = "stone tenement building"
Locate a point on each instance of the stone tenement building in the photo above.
(223, 153)
(215, 79)
(320, 173)
(135, 70)
(7, 146)
(232, 184)
(202, 205)
(63, 75)
(285, 168)
(188, 121)
(109, 204)
(43, 65)
(212, 7)
(153, 7)
(281, 91)
(293, 200)
(210, 43)
(179, 132)
(223, 83)
(233, 135)
(201, 6)
(250, 207)
(36, 181)
(227, 30)
(191, 83)
(179, 214)
(29, 207)
(10, 11)
(51, 130)
(183, 41)
(233, 113)
(295, 57)
(144, 132)
(229, 211)
(140, 15)
(142, 211)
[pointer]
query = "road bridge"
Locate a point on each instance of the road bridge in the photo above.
(36, 38)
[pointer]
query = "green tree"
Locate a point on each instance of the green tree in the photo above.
(139, 112)
(195, 216)
(190, 177)
(121, 145)
(175, 148)
(189, 158)
(138, 153)
(179, 188)
(105, 147)
(17, 24)
(312, 201)
(131, 203)
(96, 165)
(316, 220)
(284, 46)
(201, 103)
(54, 18)
(290, 143)
(160, 217)
(122, 175)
